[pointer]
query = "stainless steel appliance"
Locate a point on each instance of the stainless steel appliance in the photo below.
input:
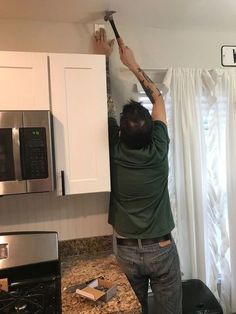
(30, 281)
(25, 152)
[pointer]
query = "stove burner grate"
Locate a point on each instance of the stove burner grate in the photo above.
(29, 298)
(11, 303)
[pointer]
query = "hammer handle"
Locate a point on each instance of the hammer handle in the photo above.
(114, 29)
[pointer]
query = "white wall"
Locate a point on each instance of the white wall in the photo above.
(77, 216)
(86, 215)
(20, 35)
(161, 48)
(164, 48)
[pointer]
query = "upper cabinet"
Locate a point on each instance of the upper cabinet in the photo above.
(73, 87)
(24, 81)
(79, 107)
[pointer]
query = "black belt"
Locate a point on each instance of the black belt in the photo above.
(134, 242)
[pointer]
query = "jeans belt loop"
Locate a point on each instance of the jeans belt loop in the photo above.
(140, 244)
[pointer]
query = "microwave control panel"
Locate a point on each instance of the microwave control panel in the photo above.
(34, 153)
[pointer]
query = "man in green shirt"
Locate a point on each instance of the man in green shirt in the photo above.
(139, 203)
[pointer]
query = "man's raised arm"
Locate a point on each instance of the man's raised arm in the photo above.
(128, 59)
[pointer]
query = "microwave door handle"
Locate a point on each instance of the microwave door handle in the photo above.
(16, 153)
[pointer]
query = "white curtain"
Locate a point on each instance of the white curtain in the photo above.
(201, 112)
(189, 167)
(203, 184)
(218, 261)
(221, 187)
(228, 78)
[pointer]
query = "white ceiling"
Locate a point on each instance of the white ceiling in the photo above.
(207, 14)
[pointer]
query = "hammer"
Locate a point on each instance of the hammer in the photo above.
(109, 17)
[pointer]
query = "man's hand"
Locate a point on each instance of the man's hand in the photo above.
(127, 56)
(101, 44)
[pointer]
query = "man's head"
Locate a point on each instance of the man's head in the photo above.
(135, 125)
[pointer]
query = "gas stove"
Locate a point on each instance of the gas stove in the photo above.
(30, 281)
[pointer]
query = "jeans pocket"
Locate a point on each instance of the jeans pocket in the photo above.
(165, 265)
(125, 258)
(160, 252)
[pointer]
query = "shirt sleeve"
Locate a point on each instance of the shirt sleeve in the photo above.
(113, 130)
(160, 137)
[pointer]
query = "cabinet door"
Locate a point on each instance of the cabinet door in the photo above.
(24, 81)
(79, 107)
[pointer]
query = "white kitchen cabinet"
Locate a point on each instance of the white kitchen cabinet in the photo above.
(24, 81)
(79, 107)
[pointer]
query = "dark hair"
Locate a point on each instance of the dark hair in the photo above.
(135, 125)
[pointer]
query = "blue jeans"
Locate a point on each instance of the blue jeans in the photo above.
(160, 266)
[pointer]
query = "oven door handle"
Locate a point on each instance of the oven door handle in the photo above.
(16, 153)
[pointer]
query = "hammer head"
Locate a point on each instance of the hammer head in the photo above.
(109, 15)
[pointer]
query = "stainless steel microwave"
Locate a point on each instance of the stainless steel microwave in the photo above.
(26, 159)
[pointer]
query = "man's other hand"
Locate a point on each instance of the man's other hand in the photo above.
(101, 44)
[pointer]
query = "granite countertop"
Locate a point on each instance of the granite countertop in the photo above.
(77, 270)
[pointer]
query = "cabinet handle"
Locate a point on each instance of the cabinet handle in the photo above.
(63, 182)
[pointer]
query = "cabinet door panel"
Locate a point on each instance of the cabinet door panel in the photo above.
(24, 81)
(78, 91)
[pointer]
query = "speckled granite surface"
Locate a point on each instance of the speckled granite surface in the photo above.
(75, 270)
(85, 259)
(85, 247)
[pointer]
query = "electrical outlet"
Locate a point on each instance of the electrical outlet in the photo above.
(228, 56)
(98, 26)
(4, 284)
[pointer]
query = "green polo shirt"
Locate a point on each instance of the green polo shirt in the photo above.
(139, 201)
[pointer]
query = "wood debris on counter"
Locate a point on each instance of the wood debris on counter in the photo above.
(75, 270)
